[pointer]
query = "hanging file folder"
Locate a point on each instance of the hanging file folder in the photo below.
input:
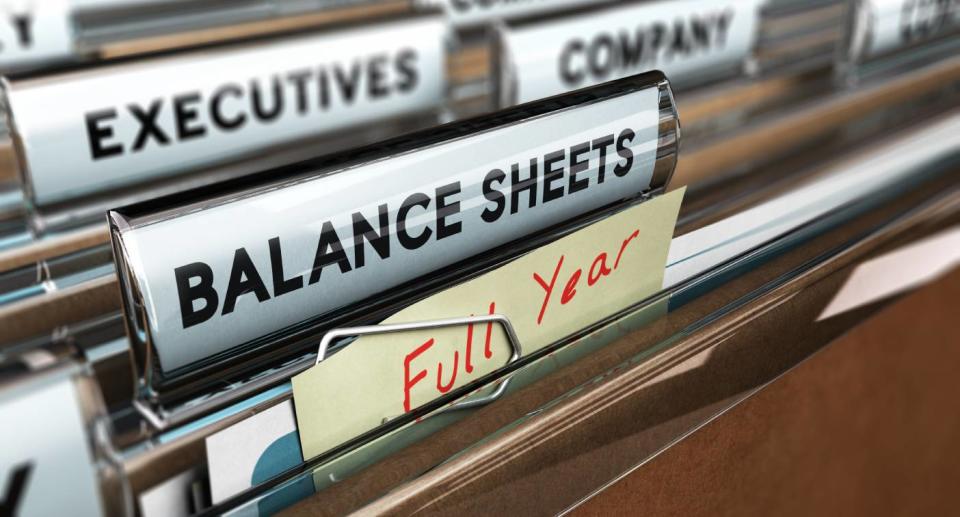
(334, 235)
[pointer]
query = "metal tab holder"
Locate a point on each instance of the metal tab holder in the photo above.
(60, 439)
(887, 37)
(590, 44)
(49, 112)
(643, 103)
(190, 403)
(64, 34)
(783, 56)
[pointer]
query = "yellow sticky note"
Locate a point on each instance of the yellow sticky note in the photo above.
(547, 294)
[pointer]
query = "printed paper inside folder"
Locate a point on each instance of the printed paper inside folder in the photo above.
(547, 294)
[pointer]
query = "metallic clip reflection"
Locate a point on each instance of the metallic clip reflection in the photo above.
(370, 330)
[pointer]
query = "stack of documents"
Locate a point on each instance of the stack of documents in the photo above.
(262, 256)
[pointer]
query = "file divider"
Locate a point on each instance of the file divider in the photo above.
(653, 136)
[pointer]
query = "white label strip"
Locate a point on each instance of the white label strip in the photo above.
(117, 125)
(897, 272)
(683, 38)
(34, 31)
(219, 277)
(46, 466)
(897, 23)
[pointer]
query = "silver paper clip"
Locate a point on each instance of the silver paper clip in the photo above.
(161, 420)
(368, 330)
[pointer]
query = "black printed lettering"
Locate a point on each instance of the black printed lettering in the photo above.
(23, 26)
(281, 285)
(329, 251)
(323, 90)
(406, 240)
(564, 171)
(148, 125)
(299, 79)
(493, 195)
(551, 174)
(203, 291)
(276, 105)
(625, 152)
(97, 133)
(602, 144)
(184, 107)
(16, 489)
(348, 81)
(600, 57)
(244, 279)
(618, 52)
(216, 108)
(577, 166)
(518, 186)
(376, 77)
(447, 209)
(263, 100)
(407, 70)
(571, 76)
(363, 231)
(631, 48)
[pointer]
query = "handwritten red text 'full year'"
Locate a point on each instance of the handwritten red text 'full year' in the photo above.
(603, 264)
